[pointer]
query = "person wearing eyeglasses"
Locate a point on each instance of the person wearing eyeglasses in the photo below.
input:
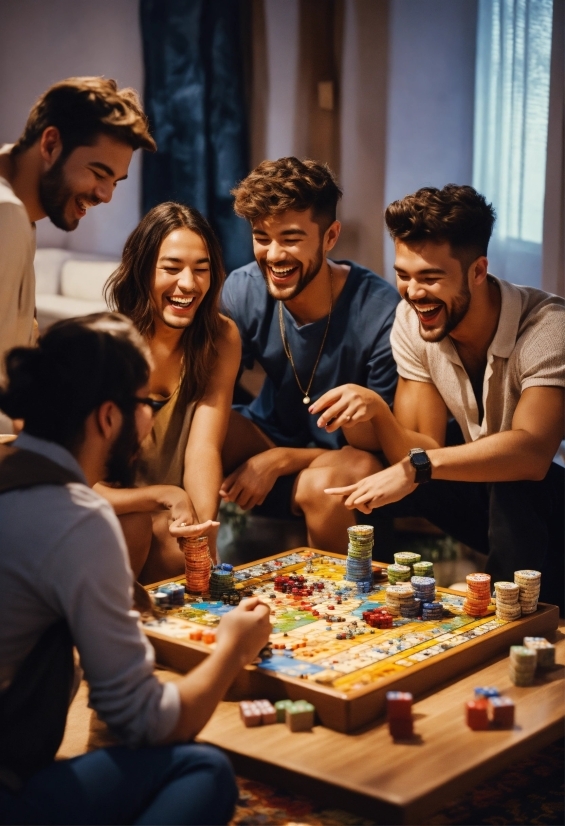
(169, 284)
(66, 581)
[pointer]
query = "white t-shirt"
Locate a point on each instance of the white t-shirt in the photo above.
(63, 554)
(17, 277)
(528, 350)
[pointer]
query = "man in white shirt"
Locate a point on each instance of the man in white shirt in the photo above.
(488, 353)
(83, 395)
(76, 146)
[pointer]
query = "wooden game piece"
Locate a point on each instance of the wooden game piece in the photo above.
(280, 708)
(477, 715)
(501, 711)
(399, 705)
(401, 729)
(268, 712)
(250, 713)
(300, 716)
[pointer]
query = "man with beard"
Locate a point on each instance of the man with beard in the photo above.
(76, 146)
(312, 324)
(488, 353)
(66, 580)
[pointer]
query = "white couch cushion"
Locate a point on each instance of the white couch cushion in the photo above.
(52, 308)
(47, 264)
(85, 280)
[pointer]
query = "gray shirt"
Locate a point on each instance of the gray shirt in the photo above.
(62, 554)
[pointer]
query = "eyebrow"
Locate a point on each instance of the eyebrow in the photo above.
(284, 232)
(427, 271)
(179, 261)
(107, 169)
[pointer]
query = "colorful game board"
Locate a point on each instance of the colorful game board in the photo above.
(341, 665)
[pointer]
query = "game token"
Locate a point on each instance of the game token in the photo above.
(522, 666)
(477, 715)
(250, 713)
(300, 716)
(501, 711)
(545, 651)
(485, 692)
(197, 563)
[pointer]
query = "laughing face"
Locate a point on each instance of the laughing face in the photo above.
(87, 177)
(433, 283)
(181, 279)
(290, 250)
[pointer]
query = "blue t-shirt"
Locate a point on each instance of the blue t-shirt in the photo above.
(357, 350)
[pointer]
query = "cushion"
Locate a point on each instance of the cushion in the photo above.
(47, 264)
(85, 280)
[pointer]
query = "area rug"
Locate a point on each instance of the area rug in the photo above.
(529, 792)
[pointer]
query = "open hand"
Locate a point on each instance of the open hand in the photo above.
(380, 489)
(250, 483)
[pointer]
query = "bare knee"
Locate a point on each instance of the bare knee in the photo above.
(348, 465)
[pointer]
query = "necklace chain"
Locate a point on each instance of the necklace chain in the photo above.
(306, 393)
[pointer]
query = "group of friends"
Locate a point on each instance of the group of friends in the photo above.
(443, 398)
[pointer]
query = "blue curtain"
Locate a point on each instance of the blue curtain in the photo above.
(194, 97)
(511, 119)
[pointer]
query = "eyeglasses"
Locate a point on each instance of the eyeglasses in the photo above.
(154, 404)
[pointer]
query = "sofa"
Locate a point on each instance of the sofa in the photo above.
(69, 283)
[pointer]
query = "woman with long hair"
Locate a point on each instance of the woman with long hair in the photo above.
(169, 285)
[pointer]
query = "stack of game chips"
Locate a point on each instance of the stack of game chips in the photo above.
(529, 583)
(478, 595)
(523, 663)
(424, 588)
(222, 581)
(544, 649)
(398, 573)
(196, 564)
(400, 600)
(399, 713)
(407, 558)
(423, 568)
(359, 553)
(507, 605)
(432, 610)
(174, 593)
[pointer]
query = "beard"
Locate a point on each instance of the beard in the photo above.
(54, 194)
(453, 315)
(304, 278)
(121, 465)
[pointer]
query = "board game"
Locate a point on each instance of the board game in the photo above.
(325, 652)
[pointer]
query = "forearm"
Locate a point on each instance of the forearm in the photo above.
(136, 500)
(202, 689)
(513, 455)
(202, 481)
(394, 439)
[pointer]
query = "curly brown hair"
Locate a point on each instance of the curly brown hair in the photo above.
(456, 214)
(288, 183)
(84, 107)
(129, 289)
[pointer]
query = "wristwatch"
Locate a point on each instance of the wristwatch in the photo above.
(420, 461)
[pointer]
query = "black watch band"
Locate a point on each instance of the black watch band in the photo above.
(420, 461)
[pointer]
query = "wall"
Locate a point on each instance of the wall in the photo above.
(431, 86)
(42, 42)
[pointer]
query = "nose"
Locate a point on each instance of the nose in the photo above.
(415, 291)
(275, 252)
(186, 279)
(103, 191)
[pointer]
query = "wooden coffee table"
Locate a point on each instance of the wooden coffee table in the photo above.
(368, 773)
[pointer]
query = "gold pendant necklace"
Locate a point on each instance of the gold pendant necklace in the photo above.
(306, 393)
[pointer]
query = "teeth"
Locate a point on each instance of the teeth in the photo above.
(429, 310)
(181, 302)
(281, 272)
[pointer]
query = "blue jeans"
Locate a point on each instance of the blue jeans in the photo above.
(152, 785)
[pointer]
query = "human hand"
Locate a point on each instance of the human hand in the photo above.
(250, 483)
(245, 630)
(380, 489)
(345, 406)
(184, 519)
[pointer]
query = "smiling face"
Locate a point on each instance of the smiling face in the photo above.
(290, 250)
(433, 283)
(87, 177)
(181, 279)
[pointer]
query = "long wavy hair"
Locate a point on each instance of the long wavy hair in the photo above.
(128, 289)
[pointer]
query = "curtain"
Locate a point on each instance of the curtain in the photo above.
(553, 276)
(194, 97)
(511, 121)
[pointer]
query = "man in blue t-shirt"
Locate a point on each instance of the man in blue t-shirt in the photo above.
(312, 324)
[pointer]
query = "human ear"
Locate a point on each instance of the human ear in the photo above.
(50, 145)
(478, 270)
(331, 236)
(108, 420)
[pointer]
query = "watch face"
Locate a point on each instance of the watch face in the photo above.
(419, 459)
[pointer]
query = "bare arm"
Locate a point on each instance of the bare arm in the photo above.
(524, 452)
(241, 635)
(203, 464)
(419, 420)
